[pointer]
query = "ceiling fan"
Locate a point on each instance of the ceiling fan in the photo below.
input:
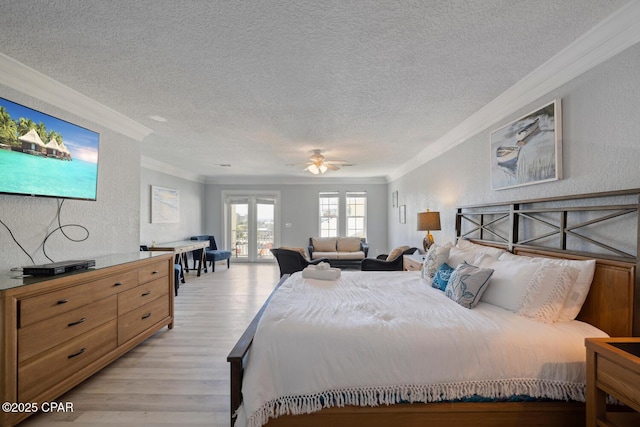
(318, 164)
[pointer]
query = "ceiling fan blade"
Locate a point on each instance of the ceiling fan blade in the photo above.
(331, 166)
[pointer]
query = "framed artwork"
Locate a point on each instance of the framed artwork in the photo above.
(403, 214)
(165, 205)
(394, 199)
(528, 150)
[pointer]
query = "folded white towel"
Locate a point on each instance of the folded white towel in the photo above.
(321, 272)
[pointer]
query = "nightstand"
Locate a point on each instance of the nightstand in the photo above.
(412, 262)
(613, 367)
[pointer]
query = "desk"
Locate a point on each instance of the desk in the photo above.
(412, 262)
(181, 248)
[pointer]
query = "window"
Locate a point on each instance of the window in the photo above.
(354, 213)
(329, 207)
(356, 205)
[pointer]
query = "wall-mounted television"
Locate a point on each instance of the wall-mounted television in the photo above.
(41, 155)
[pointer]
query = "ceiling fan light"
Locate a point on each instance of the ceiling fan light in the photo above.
(322, 167)
(313, 168)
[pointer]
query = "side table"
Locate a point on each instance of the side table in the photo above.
(412, 262)
(613, 367)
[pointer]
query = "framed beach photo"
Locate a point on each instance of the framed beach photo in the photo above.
(165, 205)
(528, 150)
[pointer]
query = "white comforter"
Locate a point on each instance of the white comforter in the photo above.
(373, 338)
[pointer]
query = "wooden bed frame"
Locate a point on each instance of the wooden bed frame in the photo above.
(610, 306)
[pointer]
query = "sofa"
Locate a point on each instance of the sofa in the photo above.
(342, 252)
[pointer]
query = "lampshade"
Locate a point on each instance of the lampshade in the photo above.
(428, 221)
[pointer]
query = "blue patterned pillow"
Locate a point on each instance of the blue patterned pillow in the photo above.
(467, 284)
(443, 273)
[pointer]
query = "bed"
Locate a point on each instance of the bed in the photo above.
(608, 309)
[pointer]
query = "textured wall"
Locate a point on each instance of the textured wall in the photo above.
(191, 208)
(601, 150)
(113, 221)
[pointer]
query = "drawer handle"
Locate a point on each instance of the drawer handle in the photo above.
(71, 356)
(78, 322)
(63, 301)
(146, 316)
(155, 272)
(117, 284)
(146, 293)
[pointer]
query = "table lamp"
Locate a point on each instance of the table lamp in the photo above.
(428, 221)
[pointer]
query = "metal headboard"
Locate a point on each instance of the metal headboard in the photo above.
(550, 223)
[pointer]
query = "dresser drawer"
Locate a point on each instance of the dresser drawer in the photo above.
(142, 295)
(140, 319)
(39, 337)
(35, 309)
(64, 360)
(111, 285)
(153, 271)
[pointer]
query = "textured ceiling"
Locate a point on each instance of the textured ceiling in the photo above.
(259, 84)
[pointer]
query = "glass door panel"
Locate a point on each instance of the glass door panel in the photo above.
(265, 228)
(239, 228)
(251, 226)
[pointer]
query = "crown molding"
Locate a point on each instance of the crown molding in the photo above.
(293, 180)
(158, 166)
(155, 165)
(24, 79)
(610, 37)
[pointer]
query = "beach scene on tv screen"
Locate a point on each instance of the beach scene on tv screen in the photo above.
(44, 156)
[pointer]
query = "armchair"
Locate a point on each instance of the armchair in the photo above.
(211, 254)
(382, 263)
(291, 260)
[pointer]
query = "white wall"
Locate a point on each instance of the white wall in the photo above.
(601, 150)
(191, 208)
(113, 221)
(299, 207)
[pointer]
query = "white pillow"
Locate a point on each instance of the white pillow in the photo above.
(547, 292)
(457, 256)
(466, 245)
(435, 257)
(465, 251)
(509, 283)
(580, 288)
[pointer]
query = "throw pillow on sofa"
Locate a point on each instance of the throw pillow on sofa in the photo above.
(324, 244)
(396, 252)
(348, 244)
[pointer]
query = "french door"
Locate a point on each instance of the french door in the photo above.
(251, 225)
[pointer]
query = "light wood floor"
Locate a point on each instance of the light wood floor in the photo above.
(179, 376)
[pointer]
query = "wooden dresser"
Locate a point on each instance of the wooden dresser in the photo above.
(56, 331)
